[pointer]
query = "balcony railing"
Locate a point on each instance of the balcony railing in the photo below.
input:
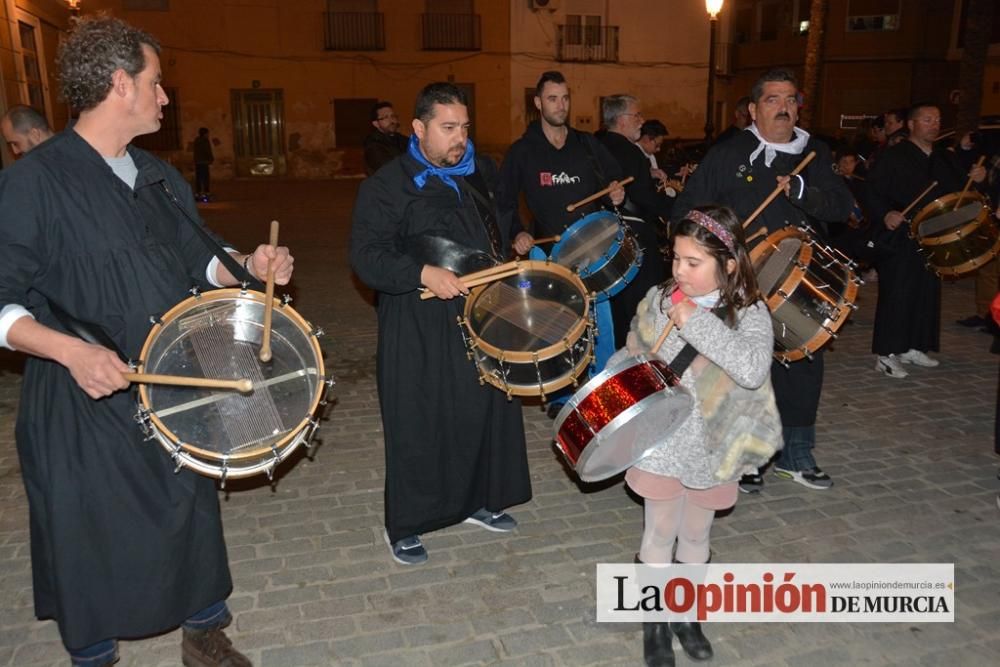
(588, 44)
(451, 32)
(353, 31)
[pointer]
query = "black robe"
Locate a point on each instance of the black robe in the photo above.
(120, 545)
(452, 446)
(653, 208)
(909, 294)
(726, 177)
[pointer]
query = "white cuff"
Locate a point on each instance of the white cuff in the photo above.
(213, 266)
(10, 314)
(802, 186)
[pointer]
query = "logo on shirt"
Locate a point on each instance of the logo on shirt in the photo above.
(549, 179)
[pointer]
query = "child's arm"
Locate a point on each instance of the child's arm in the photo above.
(743, 353)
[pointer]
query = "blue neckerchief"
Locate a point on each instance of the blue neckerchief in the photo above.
(466, 166)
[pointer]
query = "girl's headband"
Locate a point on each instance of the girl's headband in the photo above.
(715, 228)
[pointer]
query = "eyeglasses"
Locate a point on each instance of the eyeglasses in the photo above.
(637, 115)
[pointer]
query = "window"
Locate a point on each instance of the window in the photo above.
(769, 19)
(352, 120)
(800, 22)
(451, 25)
(743, 25)
(31, 59)
(353, 25)
(872, 15)
(168, 137)
(583, 30)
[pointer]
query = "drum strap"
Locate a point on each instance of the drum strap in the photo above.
(474, 184)
(227, 260)
(680, 363)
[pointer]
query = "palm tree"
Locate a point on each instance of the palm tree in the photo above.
(978, 28)
(814, 59)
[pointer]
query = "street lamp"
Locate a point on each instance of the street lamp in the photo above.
(74, 6)
(713, 7)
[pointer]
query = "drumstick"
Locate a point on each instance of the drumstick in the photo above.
(475, 282)
(919, 197)
(548, 239)
(598, 195)
(663, 336)
(967, 184)
(770, 198)
(265, 343)
(476, 275)
(760, 232)
(242, 385)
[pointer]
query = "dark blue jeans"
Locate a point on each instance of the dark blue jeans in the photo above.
(797, 453)
(106, 652)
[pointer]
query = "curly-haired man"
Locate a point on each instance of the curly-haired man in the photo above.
(91, 239)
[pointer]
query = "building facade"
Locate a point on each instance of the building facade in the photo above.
(29, 37)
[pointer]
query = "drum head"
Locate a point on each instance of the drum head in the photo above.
(528, 312)
(635, 433)
(587, 241)
(941, 222)
(773, 267)
(219, 336)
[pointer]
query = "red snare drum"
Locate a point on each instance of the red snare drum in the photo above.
(620, 416)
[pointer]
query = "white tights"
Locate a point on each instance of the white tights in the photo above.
(678, 519)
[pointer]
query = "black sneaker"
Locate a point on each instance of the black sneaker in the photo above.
(752, 483)
(973, 321)
(813, 478)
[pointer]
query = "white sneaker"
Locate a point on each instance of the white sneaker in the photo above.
(890, 366)
(917, 358)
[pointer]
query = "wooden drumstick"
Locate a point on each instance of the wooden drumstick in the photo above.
(265, 343)
(760, 232)
(477, 282)
(770, 198)
(548, 239)
(919, 197)
(968, 183)
(242, 385)
(663, 337)
(598, 195)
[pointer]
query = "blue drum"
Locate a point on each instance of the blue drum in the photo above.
(602, 250)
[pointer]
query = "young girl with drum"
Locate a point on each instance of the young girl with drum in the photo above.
(721, 346)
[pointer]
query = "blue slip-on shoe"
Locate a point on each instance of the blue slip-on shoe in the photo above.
(407, 551)
(498, 522)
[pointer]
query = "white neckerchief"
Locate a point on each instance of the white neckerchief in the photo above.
(770, 150)
(709, 300)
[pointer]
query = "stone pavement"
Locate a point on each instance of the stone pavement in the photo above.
(912, 459)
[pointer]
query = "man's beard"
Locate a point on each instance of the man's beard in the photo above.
(555, 122)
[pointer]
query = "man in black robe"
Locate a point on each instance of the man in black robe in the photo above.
(909, 294)
(454, 449)
(646, 210)
(740, 173)
(121, 546)
(555, 165)
(384, 142)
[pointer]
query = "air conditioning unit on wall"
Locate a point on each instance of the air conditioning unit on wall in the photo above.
(550, 5)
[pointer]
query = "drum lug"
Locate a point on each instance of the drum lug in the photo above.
(329, 382)
(195, 291)
(538, 375)
(274, 463)
(142, 419)
(808, 355)
(225, 471)
(286, 299)
(317, 332)
(244, 288)
(155, 320)
(175, 455)
(310, 432)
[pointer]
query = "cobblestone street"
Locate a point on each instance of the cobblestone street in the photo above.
(915, 481)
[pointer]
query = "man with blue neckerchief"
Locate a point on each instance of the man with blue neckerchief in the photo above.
(455, 449)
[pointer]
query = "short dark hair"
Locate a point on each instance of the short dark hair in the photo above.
(378, 107)
(776, 75)
(96, 47)
(743, 102)
(440, 92)
(24, 119)
(551, 76)
(653, 128)
(899, 113)
(923, 104)
(202, 131)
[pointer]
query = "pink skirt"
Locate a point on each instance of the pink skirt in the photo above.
(658, 487)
